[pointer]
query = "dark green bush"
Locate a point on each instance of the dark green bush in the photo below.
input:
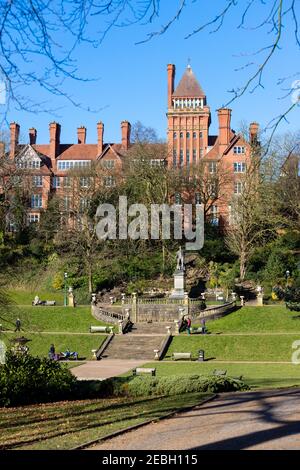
(168, 385)
(25, 379)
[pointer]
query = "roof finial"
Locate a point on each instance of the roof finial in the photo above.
(189, 63)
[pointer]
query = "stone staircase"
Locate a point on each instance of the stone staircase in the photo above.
(139, 343)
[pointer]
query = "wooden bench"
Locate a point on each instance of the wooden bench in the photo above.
(99, 329)
(182, 355)
(219, 373)
(144, 370)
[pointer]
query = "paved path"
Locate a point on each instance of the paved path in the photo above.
(99, 370)
(249, 420)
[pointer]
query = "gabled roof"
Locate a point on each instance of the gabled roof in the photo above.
(189, 86)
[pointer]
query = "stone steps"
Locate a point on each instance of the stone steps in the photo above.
(139, 343)
(133, 347)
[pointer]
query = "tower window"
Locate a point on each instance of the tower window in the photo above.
(188, 135)
(200, 134)
(194, 155)
(174, 158)
(187, 157)
(194, 135)
(181, 135)
(181, 158)
(174, 135)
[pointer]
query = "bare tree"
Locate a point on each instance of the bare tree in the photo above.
(254, 214)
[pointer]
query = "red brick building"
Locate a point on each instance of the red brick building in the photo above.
(188, 140)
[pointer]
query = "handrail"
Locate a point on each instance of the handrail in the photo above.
(104, 346)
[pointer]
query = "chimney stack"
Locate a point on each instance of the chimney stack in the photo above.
(253, 132)
(14, 138)
(54, 129)
(171, 79)
(224, 115)
(32, 136)
(125, 129)
(100, 132)
(81, 134)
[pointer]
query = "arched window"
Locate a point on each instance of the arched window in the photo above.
(188, 135)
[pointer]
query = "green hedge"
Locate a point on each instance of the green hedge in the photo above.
(153, 386)
(25, 379)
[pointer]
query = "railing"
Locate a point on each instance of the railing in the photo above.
(104, 346)
(215, 310)
(158, 301)
(106, 315)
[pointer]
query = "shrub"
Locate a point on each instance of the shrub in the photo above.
(25, 379)
(168, 385)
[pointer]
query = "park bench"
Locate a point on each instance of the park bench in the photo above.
(181, 355)
(44, 303)
(219, 373)
(100, 329)
(144, 370)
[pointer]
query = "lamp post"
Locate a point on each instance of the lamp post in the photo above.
(65, 297)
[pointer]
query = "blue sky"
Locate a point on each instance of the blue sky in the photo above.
(132, 80)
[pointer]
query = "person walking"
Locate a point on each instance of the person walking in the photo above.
(18, 325)
(188, 325)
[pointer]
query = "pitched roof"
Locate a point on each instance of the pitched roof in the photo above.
(77, 152)
(189, 86)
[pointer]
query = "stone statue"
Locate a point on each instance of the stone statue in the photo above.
(179, 260)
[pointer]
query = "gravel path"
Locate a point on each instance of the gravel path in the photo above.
(249, 420)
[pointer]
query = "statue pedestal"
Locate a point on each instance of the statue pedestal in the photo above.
(178, 291)
(260, 299)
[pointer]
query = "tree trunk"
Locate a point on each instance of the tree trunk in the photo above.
(242, 265)
(90, 277)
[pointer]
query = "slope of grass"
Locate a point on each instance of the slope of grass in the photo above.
(236, 348)
(255, 375)
(25, 297)
(68, 424)
(256, 320)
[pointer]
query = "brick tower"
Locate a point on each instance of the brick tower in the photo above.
(188, 119)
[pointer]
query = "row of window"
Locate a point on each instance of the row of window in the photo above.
(188, 103)
(238, 167)
(187, 134)
(69, 164)
(238, 149)
(28, 164)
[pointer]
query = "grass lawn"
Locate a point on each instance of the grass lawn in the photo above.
(65, 425)
(24, 297)
(236, 348)
(40, 344)
(256, 320)
(255, 375)
(76, 320)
